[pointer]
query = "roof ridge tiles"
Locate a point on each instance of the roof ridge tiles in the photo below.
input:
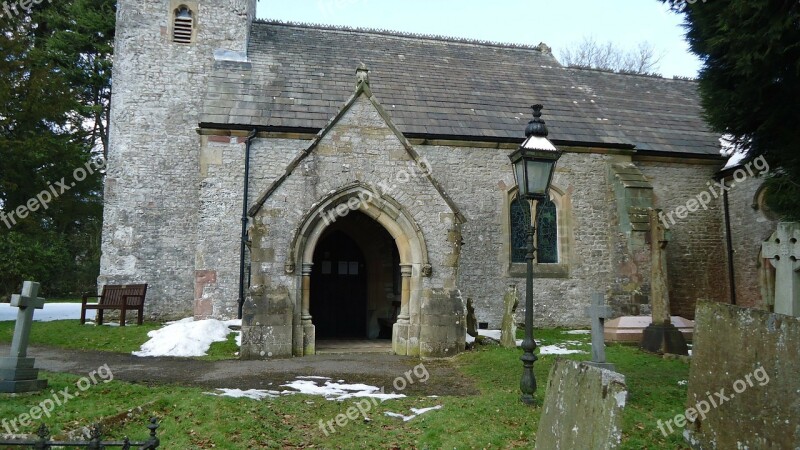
(656, 76)
(542, 48)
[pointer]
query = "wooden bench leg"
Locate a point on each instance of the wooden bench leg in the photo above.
(99, 316)
(122, 317)
(83, 315)
(141, 313)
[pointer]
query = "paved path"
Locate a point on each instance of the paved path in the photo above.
(371, 368)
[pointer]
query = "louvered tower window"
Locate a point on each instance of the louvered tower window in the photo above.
(183, 26)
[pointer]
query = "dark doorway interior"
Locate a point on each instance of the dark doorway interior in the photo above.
(339, 288)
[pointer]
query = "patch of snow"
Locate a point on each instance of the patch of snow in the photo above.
(557, 350)
(184, 338)
(491, 334)
(307, 385)
(50, 312)
(419, 411)
(682, 382)
(494, 334)
(399, 416)
(339, 391)
(255, 394)
(416, 412)
(620, 398)
(578, 332)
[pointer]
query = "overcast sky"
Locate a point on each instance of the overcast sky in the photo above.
(557, 23)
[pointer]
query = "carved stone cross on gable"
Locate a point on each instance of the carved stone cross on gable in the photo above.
(783, 252)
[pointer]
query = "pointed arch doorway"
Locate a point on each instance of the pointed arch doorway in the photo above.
(355, 281)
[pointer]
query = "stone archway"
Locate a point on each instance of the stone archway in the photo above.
(411, 248)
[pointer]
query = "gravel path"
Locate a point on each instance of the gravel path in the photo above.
(370, 368)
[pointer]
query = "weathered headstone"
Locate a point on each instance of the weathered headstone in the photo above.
(598, 312)
(17, 373)
(660, 336)
(743, 381)
(508, 329)
(783, 252)
(582, 408)
(472, 321)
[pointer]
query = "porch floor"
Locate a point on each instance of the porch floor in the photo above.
(339, 346)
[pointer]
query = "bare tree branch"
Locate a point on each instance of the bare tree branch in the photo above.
(608, 56)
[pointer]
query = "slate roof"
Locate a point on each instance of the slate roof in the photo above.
(298, 76)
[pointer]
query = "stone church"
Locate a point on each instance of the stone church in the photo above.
(337, 183)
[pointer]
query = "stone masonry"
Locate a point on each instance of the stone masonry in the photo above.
(174, 189)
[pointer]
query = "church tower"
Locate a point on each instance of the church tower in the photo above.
(164, 51)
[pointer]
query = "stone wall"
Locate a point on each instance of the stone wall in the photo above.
(751, 225)
(696, 254)
(360, 151)
(151, 191)
(596, 255)
(174, 198)
(481, 183)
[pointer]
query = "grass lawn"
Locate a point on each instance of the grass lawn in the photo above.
(494, 419)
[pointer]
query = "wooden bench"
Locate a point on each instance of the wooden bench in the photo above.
(126, 297)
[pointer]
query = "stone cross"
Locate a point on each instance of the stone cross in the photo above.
(783, 252)
(17, 372)
(598, 312)
(27, 302)
(659, 293)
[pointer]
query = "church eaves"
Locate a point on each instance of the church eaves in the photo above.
(450, 89)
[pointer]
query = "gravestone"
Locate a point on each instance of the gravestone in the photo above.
(598, 312)
(660, 336)
(783, 252)
(582, 408)
(744, 388)
(472, 321)
(508, 329)
(17, 373)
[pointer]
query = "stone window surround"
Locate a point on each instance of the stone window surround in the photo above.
(564, 220)
(174, 5)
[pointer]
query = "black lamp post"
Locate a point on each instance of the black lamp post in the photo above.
(534, 163)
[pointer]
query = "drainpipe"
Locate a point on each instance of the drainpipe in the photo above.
(729, 239)
(245, 200)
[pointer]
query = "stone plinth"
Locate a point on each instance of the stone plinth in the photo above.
(629, 329)
(582, 408)
(19, 375)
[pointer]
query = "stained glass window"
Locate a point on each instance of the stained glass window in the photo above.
(520, 223)
(546, 233)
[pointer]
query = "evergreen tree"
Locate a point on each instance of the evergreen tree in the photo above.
(54, 93)
(750, 83)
